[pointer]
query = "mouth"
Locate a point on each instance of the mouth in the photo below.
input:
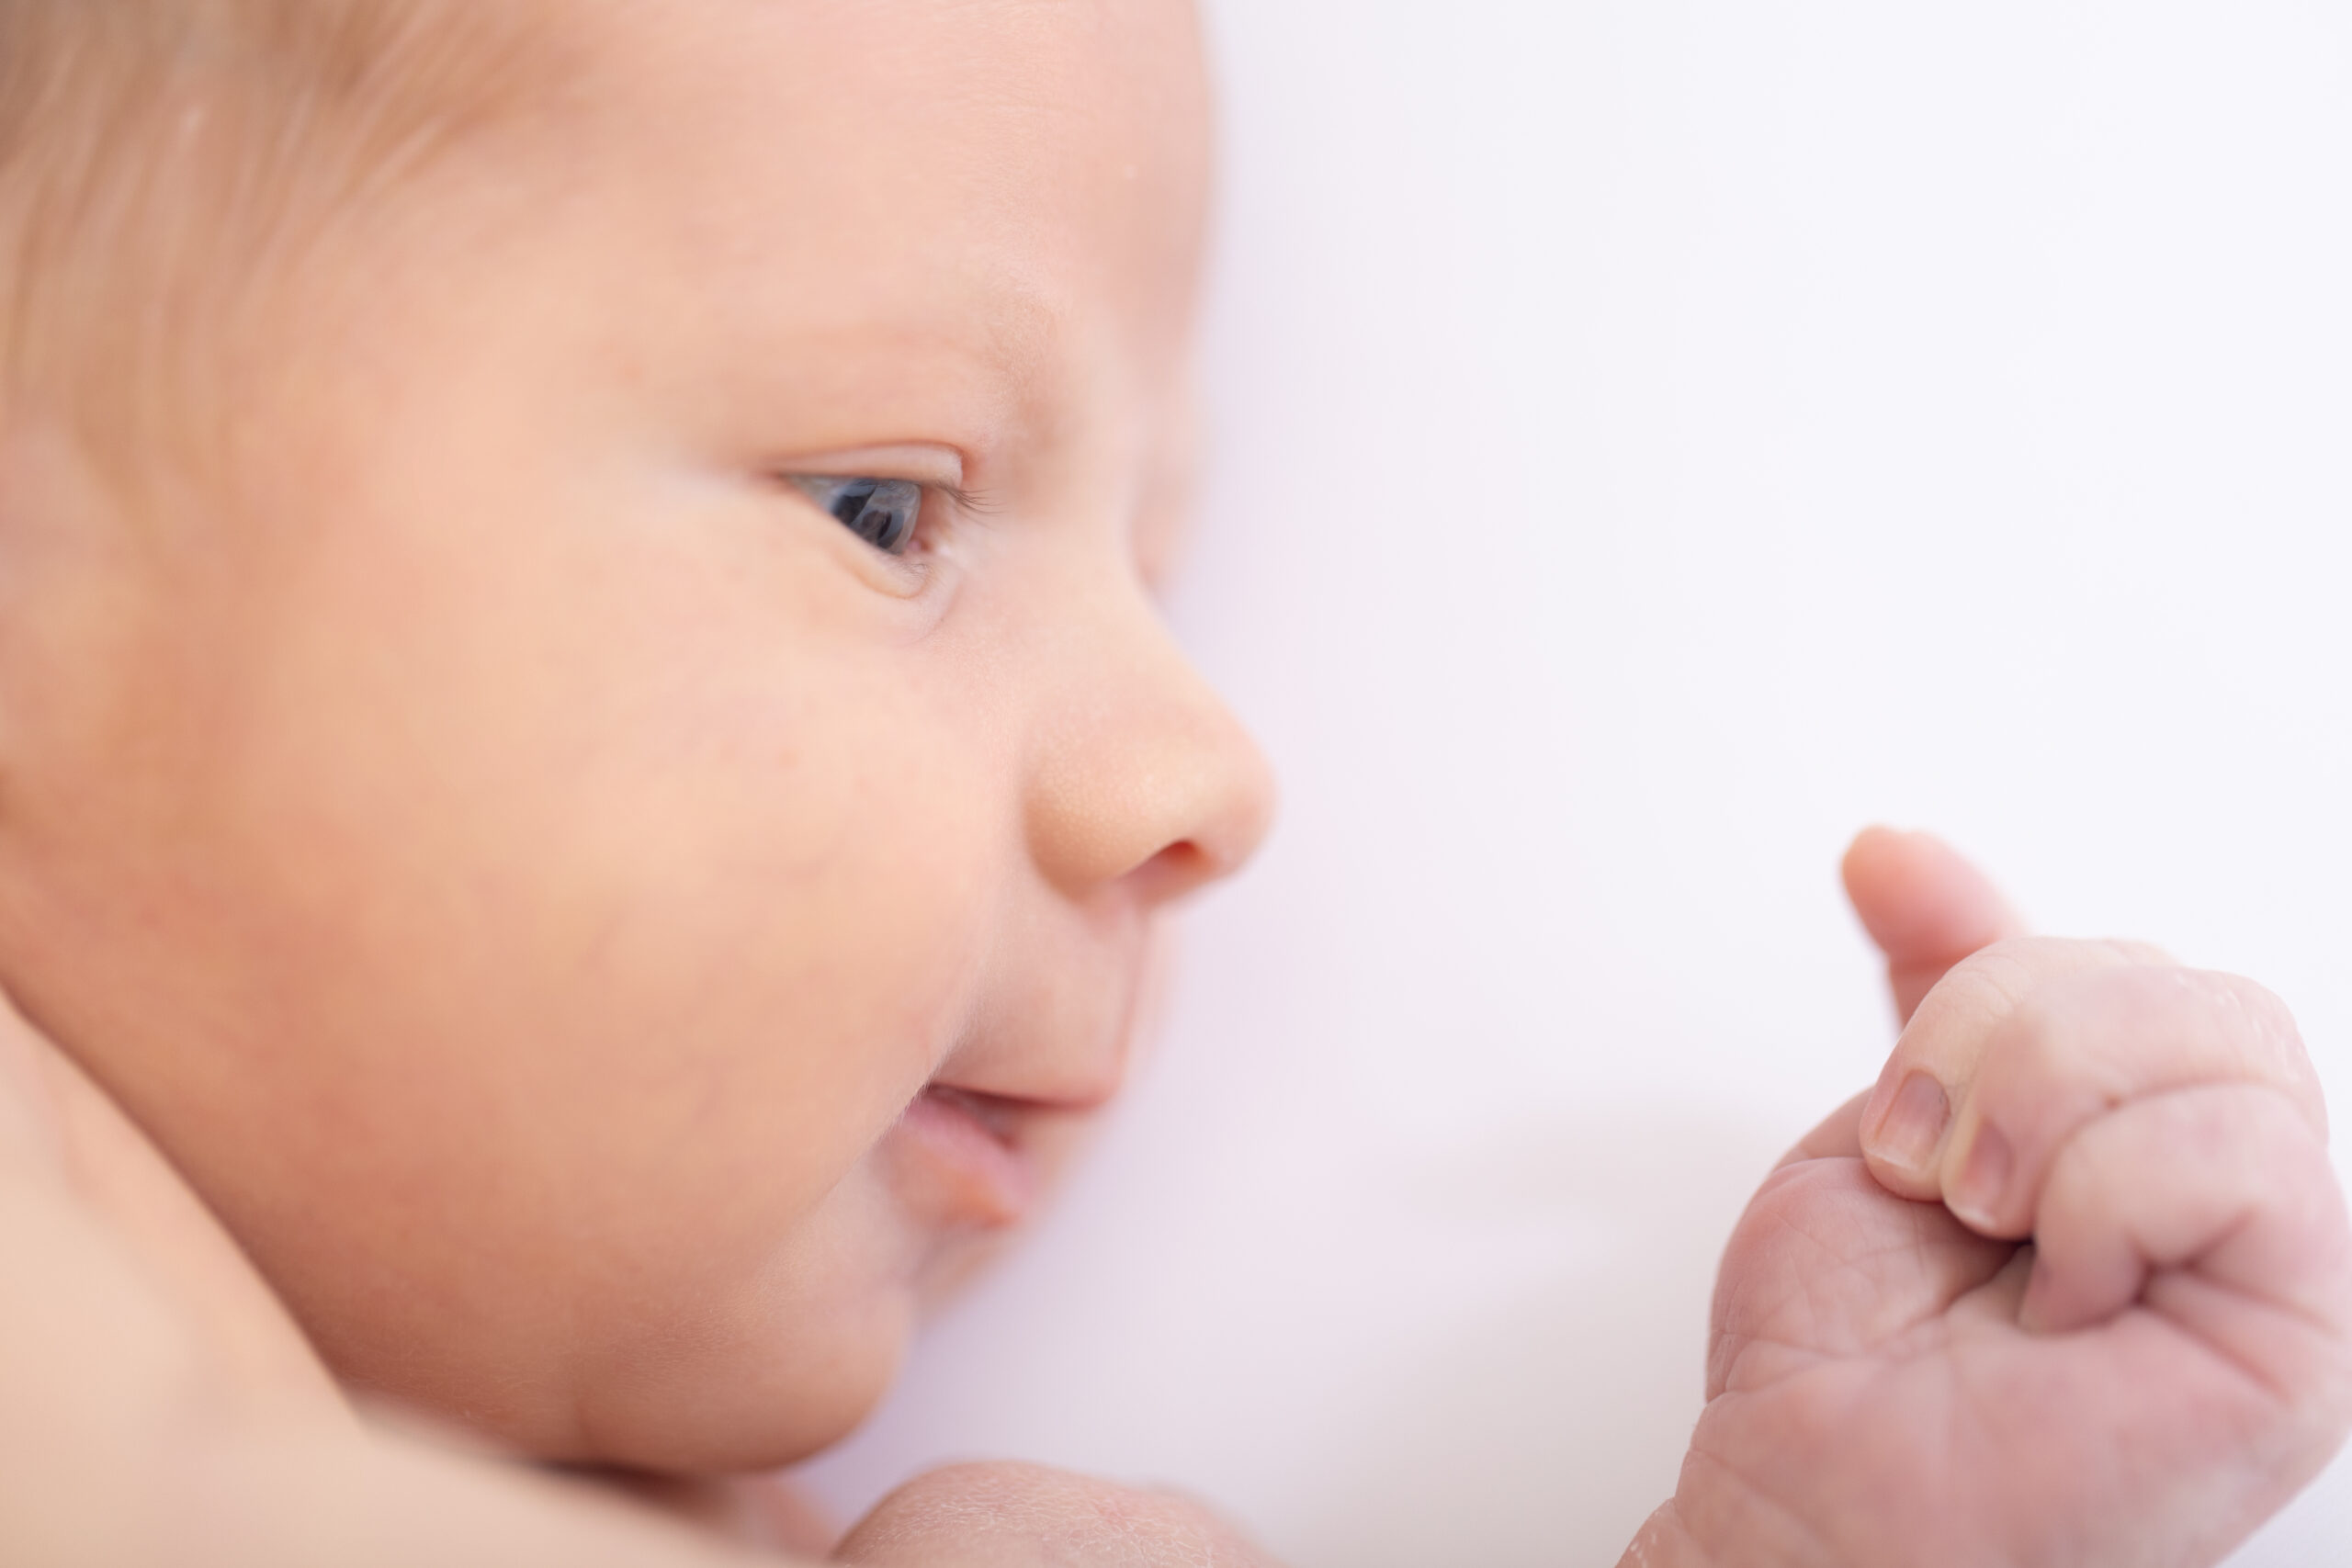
(962, 1158)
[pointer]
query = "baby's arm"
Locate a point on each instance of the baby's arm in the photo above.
(1895, 1380)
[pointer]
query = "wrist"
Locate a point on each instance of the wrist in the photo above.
(1664, 1542)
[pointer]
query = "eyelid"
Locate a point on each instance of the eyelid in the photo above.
(903, 573)
(934, 468)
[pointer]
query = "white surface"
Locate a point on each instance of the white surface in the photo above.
(1655, 439)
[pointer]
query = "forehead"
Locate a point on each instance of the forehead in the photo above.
(1005, 181)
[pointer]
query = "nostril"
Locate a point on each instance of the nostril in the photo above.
(1176, 870)
(1141, 777)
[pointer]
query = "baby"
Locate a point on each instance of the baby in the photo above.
(587, 770)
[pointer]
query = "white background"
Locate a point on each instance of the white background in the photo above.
(1653, 439)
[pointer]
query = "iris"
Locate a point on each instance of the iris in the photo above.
(881, 512)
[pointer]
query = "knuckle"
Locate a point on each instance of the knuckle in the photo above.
(2041, 1032)
(2274, 1120)
(2256, 1016)
(2007, 967)
(2264, 1030)
(2243, 1126)
(2047, 1054)
(1993, 981)
(2124, 1031)
(2129, 954)
(1973, 994)
(2253, 1138)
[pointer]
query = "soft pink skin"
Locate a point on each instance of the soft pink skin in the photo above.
(514, 854)
(515, 863)
(1891, 1387)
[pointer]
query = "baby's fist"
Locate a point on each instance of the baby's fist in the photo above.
(2153, 1130)
(2072, 1285)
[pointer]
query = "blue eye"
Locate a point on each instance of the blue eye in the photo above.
(881, 512)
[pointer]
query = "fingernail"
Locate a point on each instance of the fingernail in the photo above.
(1913, 1124)
(1983, 1179)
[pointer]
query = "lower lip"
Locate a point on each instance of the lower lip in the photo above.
(966, 1174)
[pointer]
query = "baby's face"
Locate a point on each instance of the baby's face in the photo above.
(605, 934)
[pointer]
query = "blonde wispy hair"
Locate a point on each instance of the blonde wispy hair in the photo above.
(166, 166)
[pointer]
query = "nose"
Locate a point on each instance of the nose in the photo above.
(1140, 777)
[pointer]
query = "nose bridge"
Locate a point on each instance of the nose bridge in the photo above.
(1138, 769)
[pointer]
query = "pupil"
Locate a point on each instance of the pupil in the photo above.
(849, 502)
(880, 511)
(878, 525)
(885, 514)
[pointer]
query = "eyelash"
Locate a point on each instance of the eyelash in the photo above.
(849, 500)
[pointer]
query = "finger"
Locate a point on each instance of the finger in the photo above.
(2217, 1208)
(2084, 1043)
(1908, 1122)
(1924, 906)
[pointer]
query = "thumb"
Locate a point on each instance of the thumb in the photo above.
(1924, 907)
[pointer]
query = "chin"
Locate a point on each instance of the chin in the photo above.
(713, 1413)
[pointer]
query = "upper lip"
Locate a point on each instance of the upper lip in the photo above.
(1005, 1117)
(1000, 1085)
(1000, 1115)
(1043, 1051)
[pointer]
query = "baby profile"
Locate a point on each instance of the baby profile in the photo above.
(588, 774)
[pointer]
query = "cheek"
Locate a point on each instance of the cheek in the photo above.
(579, 949)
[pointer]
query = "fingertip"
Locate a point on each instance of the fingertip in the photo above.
(1884, 871)
(1872, 844)
(1920, 899)
(1883, 865)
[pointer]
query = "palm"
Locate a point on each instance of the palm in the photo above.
(1873, 1401)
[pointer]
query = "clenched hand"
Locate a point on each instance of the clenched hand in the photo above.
(2071, 1286)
